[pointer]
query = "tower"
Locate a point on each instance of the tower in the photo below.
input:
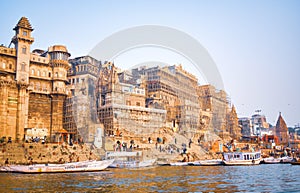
(59, 62)
(281, 130)
(22, 41)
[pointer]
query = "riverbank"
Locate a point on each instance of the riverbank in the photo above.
(29, 153)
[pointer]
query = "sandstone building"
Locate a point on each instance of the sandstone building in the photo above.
(216, 102)
(122, 107)
(80, 106)
(44, 93)
(281, 131)
(32, 86)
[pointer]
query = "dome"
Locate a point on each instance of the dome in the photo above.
(58, 48)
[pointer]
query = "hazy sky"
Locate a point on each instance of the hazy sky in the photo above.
(255, 44)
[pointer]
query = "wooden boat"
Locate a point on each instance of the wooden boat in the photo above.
(179, 163)
(271, 160)
(85, 166)
(210, 162)
(242, 158)
(295, 162)
(126, 159)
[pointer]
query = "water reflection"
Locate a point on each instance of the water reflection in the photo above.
(262, 178)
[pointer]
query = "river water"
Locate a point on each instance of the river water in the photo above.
(261, 178)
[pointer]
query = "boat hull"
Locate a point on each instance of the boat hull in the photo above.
(242, 162)
(87, 166)
(295, 163)
(132, 164)
(271, 160)
(179, 164)
(213, 162)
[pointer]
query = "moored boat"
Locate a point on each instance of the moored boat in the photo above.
(211, 162)
(286, 160)
(242, 158)
(84, 166)
(126, 159)
(271, 160)
(179, 163)
(296, 162)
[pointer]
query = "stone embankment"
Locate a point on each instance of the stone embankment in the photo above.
(28, 153)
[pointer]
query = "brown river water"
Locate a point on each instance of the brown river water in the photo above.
(261, 178)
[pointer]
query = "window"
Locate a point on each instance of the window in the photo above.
(38, 73)
(10, 66)
(37, 86)
(56, 74)
(44, 73)
(24, 50)
(32, 71)
(3, 65)
(24, 33)
(49, 74)
(23, 67)
(138, 104)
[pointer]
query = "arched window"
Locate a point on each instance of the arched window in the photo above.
(32, 71)
(49, 74)
(56, 74)
(38, 73)
(43, 73)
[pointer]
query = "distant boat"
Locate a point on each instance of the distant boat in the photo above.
(271, 160)
(295, 162)
(210, 162)
(125, 159)
(286, 160)
(180, 163)
(84, 166)
(242, 158)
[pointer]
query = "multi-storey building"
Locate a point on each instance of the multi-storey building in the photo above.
(175, 90)
(246, 125)
(216, 102)
(32, 86)
(80, 106)
(121, 105)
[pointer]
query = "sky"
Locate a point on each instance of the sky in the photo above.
(255, 44)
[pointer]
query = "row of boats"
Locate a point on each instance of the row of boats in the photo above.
(129, 160)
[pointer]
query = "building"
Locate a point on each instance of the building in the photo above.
(121, 106)
(175, 90)
(232, 124)
(216, 102)
(281, 131)
(259, 124)
(32, 86)
(80, 107)
(246, 125)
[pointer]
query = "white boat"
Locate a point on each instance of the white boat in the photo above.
(84, 166)
(271, 160)
(126, 159)
(210, 162)
(179, 163)
(242, 158)
(286, 160)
